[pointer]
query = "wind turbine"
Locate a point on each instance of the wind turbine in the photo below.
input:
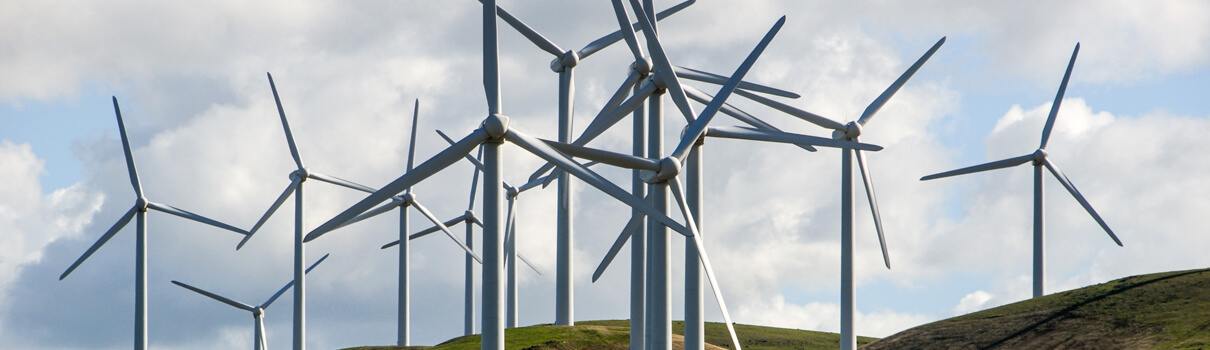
(297, 179)
(139, 211)
(258, 312)
(402, 202)
(494, 130)
(850, 132)
(564, 64)
(1040, 158)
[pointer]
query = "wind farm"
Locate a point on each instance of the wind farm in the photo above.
(551, 234)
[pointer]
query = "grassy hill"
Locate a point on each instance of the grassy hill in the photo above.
(1168, 310)
(616, 335)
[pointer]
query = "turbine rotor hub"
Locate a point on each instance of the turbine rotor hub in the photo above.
(669, 168)
(300, 175)
(1039, 157)
(851, 131)
(496, 126)
(643, 67)
(409, 198)
(511, 192)
(141, 203)
(258, 311)
(569, 60)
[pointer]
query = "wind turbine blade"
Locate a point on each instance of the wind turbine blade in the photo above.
(474, 181)
(134, 174)
(1080, 198)
(738, 132)
(476, 162)
(510, 224)
(1054, 107)
(531, 265)
(698, 127)
(316, 263)
(379, 210)
(440, 161)
(101, 241)
(291, 284)
(891, 90)
(340, 182)
(445, 229)
(603, 156)
(285, 125)
(605, 120)
(601, 43)
(220, 298)
(191, 216)
(869, 192)
(784, 108)
(678, 194)
(273, 208)
(617, 246)
(999, 164)
(530, 33)
(543, 151)
(626, 30)
(546, 181)
(738, 114)
(662, 64)
(707, 77)
(412, 142)
(491, 58)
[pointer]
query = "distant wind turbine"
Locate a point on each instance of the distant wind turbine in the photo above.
(139, 211)
(258, 312)
(1040, 159)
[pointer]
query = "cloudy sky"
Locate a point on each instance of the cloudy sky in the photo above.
(191, 80)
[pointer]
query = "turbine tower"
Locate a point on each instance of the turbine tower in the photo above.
(1040, 159)
(564, 64)
(139, 212)
(260, 341)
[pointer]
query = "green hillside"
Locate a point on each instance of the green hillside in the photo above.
(1168, 310)
(616, 335)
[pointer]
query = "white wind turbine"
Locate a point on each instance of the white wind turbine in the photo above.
(1040, 158)
(564, 64)
(850, 132)
(297, 179)
(260, 341)
(494, 130)
(401, 202)
(139, 211)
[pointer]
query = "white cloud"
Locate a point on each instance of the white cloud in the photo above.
(972, 302)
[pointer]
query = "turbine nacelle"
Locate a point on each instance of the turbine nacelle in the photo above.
(569, 59)
(669, 167)
(300, 175)
(851, 131)
(1040, 157)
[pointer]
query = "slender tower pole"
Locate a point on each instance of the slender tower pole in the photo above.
(1039, 243)
(140, 282)
(510, 265)
(469, 290)
(638, 238)
(300, 296)
(564, 288)
(695, 331)
(848, 299)
(493, 248)
(659, 272)
(405, 294)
